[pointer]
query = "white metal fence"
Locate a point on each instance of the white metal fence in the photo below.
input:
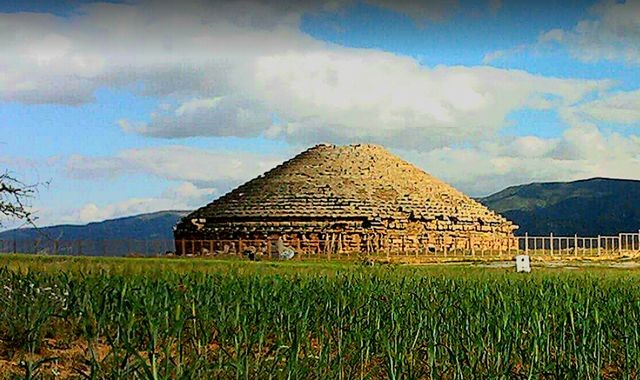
(625, 242)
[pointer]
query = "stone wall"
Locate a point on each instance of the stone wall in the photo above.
(342, 236)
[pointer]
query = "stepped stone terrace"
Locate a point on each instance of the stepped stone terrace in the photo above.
(344, 199)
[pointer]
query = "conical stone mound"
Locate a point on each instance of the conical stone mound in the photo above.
(354, 198)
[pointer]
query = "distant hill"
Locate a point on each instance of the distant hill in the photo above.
(145, 227)
(591, 207)
(157, 225)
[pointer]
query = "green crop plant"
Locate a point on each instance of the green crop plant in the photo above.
(340, 322)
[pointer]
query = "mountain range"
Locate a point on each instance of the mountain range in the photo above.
(591, 207)
(153, 226)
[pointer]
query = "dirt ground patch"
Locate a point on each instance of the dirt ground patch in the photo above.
(53, 360)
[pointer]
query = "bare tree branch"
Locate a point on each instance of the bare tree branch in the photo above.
(14, 199)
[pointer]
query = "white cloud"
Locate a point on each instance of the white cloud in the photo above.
(497, 55)
(79, 166)
(244, 64)
(582, 151)
(620, 107)
(176, 163)
(480, 171)
(195, 177)
(219, 116)
(185, 196)
(332, 94)
(329, 94)
(531, 146)
(170, 48)
(613, 33)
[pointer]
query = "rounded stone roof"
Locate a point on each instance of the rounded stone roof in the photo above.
(354, 181)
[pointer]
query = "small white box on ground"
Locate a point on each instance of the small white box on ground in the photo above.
(523, 264)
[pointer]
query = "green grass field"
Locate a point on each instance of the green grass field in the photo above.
(196, 318)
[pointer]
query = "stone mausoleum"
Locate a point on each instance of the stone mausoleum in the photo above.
(344, 199)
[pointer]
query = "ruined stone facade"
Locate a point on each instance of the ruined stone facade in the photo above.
(344, 199)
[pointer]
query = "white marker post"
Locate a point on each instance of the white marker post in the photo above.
(522, 264)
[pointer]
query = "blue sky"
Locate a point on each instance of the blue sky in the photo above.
(143, 106)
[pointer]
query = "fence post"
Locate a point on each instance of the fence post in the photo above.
(526, 243)
(551, 243)
(575, 245)
(598, 245)
(620, 244)
(15, 246)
